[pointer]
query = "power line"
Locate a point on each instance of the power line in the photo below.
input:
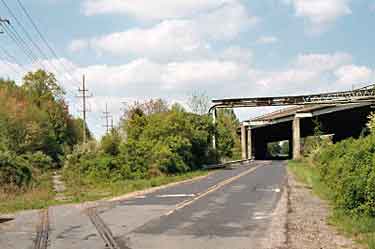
(23, 29)
(107, 116)
(12, 58)
(29, 51)
(19, 42)
(9, 65)
(48, 45)
(20, 25)
(38, 48)
(8, 58)
(83, 93)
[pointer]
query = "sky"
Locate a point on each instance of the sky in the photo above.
(140, 49)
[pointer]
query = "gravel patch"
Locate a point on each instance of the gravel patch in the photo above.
(307, 221)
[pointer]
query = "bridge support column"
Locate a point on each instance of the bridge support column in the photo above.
(214, 117)
(296, 138)
(243, 142)
(249, 144)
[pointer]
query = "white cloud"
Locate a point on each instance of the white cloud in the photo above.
(320, 12)
(152, 10)
(312, 73)
(168, 38)
(322, 62)
(353, 74)
(225, 77)
(235, 53)
(267, 40)
(226, 22)
(78, 45)
(196, 73)
(176, 39)
(10, 70)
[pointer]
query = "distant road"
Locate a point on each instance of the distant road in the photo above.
(229, 209)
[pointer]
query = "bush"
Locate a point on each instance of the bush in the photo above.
(14, 170)
(157, 143)
(39, 160)
(111, 142)
(348, 168)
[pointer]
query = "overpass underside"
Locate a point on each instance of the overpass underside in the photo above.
(342, 121)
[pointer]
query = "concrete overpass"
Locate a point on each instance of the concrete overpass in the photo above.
(297, 122)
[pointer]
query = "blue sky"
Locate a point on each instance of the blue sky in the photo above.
(136, 50)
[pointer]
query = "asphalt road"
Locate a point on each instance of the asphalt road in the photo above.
(231, 208)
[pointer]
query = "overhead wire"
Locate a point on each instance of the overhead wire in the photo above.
(29, 50)
(12, 58)
(9, 65)
(42, 37)
(15, 37)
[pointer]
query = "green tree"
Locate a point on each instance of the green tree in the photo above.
(110, 143)
(42, 85)
(228, 141)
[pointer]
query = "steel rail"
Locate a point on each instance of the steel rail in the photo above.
(41, 241)
(103, 230)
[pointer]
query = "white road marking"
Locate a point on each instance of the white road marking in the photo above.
(211, 189)
(277, 190)
(175, 195)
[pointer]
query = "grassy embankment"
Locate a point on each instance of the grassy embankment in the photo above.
(41, 195)
(79, 191)
(360, 227)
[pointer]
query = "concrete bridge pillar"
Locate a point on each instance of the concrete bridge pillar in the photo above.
(296, 138)
(244, 142)
(249, 144)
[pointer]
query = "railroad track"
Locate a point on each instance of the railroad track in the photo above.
(103, 230)
(41, 241)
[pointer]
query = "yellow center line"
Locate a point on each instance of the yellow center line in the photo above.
(211, 189)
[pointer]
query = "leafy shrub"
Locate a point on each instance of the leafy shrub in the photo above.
(158, 142)
(14, 170)
(348, 168)
(110, 143)
(39, 160)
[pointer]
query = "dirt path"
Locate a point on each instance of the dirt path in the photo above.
(58, 186)
(307, 221)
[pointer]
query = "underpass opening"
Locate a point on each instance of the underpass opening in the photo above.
(279, 150)
(333, 122)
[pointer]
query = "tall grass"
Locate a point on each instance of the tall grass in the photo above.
(82, 189)
(38, 195)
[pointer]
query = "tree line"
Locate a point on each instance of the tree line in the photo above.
(37, 130)
(153, 138)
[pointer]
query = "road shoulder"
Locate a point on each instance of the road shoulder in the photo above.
(307, 221)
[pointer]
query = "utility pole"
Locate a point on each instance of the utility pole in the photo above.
(84, 95)
(107, 115)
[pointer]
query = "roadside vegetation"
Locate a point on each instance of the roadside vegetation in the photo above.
(154, 144)
(36, 131)
(344, 174)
